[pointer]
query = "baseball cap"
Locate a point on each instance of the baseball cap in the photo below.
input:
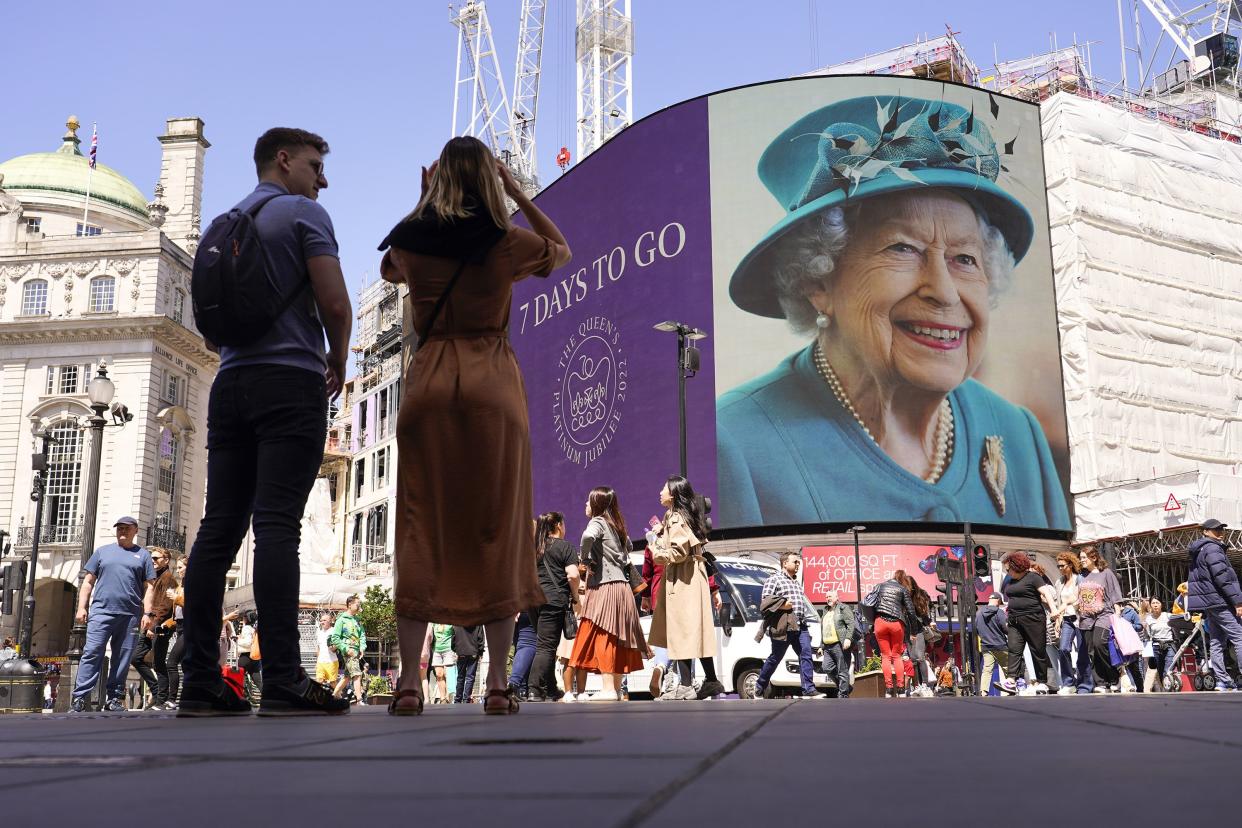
(1212, 523)
(997, 596)
(126, 521)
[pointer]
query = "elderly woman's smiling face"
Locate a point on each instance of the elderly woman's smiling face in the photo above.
(909, 297)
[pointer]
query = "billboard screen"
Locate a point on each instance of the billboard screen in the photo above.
(832, 569)
(869, 257)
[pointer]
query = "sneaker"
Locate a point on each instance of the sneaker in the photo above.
(1114, 688)
(1067, 691)
(168, 705)
(301, 698)
(79, 705)
(655, 685)
(605, 696)
(810, 696)
(1040, 689)
(709, 690)
(569, 698)
(220, 700)
(1103, 691)
(1008, 686)
(670, 682)
(114, 706)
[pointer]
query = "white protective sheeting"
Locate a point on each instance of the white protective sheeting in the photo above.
(1147, 254)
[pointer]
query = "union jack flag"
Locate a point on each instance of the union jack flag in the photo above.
(94, 145)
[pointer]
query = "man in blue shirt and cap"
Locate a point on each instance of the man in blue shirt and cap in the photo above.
(119, 586)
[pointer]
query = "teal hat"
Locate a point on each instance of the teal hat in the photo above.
(864, 147)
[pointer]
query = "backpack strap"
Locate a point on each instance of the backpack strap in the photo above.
(435, 312)
(292, 296)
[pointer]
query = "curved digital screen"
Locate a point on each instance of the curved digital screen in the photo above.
(869, 258)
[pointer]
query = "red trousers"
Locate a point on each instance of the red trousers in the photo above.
(891, 636)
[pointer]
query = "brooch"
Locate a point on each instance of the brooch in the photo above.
(994, 472)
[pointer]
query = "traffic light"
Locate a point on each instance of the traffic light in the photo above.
(12, 580)
(944, 604)
(705, 507)
(981, 557)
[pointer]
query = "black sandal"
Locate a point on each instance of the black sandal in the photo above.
(509, 709)
(394, 710)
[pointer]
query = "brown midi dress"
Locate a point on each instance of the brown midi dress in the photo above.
(465, 551)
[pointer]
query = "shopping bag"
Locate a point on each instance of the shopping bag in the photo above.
(235, 678)
(1128, 641)
(1114, 654)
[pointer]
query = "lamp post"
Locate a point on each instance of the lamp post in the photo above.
(21, 678)
(858, 578)
(688, 360)
(100, 390)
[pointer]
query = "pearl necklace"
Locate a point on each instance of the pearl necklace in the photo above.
(944, 420)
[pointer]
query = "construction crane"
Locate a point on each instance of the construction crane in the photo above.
(481, 107)
(1204, 40)
(605, 57)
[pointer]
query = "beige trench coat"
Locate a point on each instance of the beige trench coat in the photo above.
(682, 621)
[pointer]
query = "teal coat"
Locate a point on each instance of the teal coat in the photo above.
(789, 453)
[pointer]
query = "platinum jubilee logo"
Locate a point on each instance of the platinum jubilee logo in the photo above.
(586, 408)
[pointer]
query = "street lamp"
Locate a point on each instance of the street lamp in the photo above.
(100, 391)
(688, 361)
(21, 679)
(858, 576)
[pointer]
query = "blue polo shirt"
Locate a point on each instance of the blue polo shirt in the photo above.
(293, 229)
(120, 578)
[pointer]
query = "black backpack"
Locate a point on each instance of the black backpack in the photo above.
(236, 299)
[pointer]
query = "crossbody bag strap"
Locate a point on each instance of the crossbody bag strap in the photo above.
(289, 298)
(435, 312)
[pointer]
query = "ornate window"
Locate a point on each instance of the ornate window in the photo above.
(178, 309)
(34, 298)
(64, 481)
(103, 294)
(173, 388)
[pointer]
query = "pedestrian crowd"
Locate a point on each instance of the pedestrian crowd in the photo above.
(472, 576)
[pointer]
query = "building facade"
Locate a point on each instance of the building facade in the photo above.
(91, 281)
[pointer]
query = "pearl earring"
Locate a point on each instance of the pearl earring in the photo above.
(822, 321)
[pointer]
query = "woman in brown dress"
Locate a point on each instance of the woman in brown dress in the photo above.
(464, 550)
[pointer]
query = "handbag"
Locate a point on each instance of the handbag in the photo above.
(570, 624)
(637, 584)
(1128, 642)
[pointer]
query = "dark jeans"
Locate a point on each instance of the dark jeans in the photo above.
(265, 435)
(174, 663)
(1162, 658)
(1028, 630)
(1105, 674)
(156, 679)
(801, 643)
(1070, 635)
(467, 669)
(837, 667)
(549, 624)
(523, 651)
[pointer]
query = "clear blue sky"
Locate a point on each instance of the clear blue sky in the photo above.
(375, 78)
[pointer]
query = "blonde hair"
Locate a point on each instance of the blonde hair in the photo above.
(467, 169)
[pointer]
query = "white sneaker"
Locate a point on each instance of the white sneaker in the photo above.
(1041, 689)
(569, 698)
(1067, 691)
(605, 696)
(670, 682)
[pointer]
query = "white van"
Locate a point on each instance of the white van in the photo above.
(739, 658)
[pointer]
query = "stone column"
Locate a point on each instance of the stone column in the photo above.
(181, 175)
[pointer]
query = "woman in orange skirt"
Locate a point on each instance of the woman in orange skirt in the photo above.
(609, 639)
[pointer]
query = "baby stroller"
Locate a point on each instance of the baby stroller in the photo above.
(1190, 657)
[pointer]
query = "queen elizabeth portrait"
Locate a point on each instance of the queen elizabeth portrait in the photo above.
(897, 245)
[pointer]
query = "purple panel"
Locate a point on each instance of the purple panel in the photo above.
(601, 383)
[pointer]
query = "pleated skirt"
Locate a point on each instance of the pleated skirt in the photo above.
(609, 638)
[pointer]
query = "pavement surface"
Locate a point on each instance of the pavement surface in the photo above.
(1159, 760)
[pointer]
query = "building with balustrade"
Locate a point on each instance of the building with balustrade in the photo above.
(85, 282)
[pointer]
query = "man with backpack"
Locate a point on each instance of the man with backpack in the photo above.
(267, 285)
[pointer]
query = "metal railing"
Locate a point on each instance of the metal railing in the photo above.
(170, 539)
(65, 534)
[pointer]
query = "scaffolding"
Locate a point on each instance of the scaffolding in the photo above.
(938, 58)
(1152, 564)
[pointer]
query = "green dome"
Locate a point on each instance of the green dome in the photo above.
(66, 171)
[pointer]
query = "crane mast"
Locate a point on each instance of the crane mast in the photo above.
(605, 56)
(480, 103)
(521, 138)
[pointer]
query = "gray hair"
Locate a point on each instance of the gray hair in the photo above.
(808, 254)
